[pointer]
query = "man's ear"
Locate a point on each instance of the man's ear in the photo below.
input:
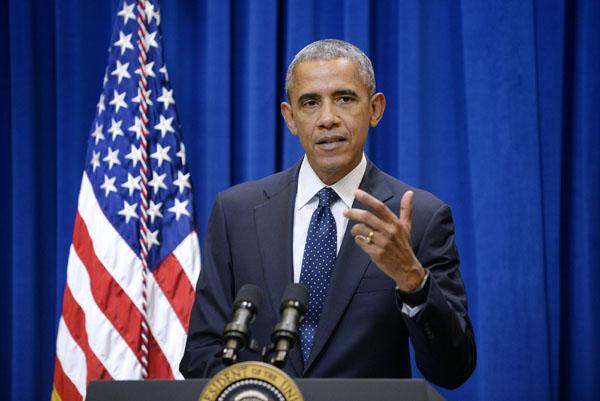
(288, 116)
(377, 108)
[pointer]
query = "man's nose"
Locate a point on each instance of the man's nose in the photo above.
(329, 117)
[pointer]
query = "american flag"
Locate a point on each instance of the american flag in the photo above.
(135, 259)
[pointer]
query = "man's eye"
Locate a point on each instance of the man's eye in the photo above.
(309, 103)
(345, 99)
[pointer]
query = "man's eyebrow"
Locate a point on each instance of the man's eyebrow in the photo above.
(306, 96)
(345, 92)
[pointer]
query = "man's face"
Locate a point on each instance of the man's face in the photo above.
(331, 112)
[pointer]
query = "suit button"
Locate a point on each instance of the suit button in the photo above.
(429, 333)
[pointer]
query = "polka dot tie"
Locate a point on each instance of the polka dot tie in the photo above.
(317, 265)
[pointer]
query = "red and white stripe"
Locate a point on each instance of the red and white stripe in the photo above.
(99, 334)
(142, 109)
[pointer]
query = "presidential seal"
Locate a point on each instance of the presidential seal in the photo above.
(251, 381)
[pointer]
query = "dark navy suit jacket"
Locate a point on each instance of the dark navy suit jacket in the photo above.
(362, 332)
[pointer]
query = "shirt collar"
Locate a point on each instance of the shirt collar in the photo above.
(309, 183)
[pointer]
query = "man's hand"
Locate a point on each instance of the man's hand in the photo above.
(386, 239)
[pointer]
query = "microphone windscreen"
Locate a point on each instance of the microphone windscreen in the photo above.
(296, 292)
(249, 293)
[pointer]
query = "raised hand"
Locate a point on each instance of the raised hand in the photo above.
(385, 237)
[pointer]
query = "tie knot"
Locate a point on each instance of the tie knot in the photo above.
(326, 197)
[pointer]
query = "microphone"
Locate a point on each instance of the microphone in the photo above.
(285, 333)
(237, 332)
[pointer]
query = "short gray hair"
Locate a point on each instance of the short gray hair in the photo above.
(331, 49)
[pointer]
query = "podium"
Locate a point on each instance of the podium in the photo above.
(312, 389)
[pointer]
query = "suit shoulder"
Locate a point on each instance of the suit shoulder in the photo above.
(255, 192)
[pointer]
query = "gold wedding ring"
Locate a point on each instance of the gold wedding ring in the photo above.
(368, 239)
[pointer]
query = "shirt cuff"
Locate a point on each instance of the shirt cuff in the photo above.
(413, 302)
(411, 311)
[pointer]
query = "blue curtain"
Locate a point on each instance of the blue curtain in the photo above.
(492, 105)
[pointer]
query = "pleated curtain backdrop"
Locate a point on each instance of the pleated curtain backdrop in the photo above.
(494, 106)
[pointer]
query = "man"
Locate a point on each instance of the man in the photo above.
(379, 262)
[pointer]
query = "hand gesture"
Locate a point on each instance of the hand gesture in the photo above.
(385, 237)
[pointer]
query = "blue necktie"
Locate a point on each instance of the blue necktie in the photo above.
(317, 265)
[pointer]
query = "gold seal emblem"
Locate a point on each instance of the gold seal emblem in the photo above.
(251, 381)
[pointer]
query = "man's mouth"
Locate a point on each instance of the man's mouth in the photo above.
(331, 140)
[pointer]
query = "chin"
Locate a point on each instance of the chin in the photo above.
(333, 167)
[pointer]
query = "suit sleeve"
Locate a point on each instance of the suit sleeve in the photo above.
(212, 305)
(441, 333)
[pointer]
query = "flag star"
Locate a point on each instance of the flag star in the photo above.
(105, 80)
(127, 13)
(128, 211)
(182, 181)
(138, 98)
(157, 17)
(147, 68)
(164, 125)
(118, 100)
(121, 71)
(161, 154)
(97, 134)
(181, 153)
(101, 106)
(124, 42)
(157, 182)
(137, 128)
(179, 208)
(166, 98)
(115, 128)
(149, 11)
(164, 71)
(112, 157)
(132, 183)
(135, 155)
(95, 162)
(109, 185)
(152, 239)
(154, 210)
(150, 40)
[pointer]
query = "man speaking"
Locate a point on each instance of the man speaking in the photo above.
(377, 256)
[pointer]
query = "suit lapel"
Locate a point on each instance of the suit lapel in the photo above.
(350, 266)
(275, 243)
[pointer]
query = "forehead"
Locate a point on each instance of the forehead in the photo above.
(323, 76)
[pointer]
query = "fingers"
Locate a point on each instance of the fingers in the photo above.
(366, 217)
(380, 218)
(377, 206)
(406, 209)
(384, 236)
(364, 233)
